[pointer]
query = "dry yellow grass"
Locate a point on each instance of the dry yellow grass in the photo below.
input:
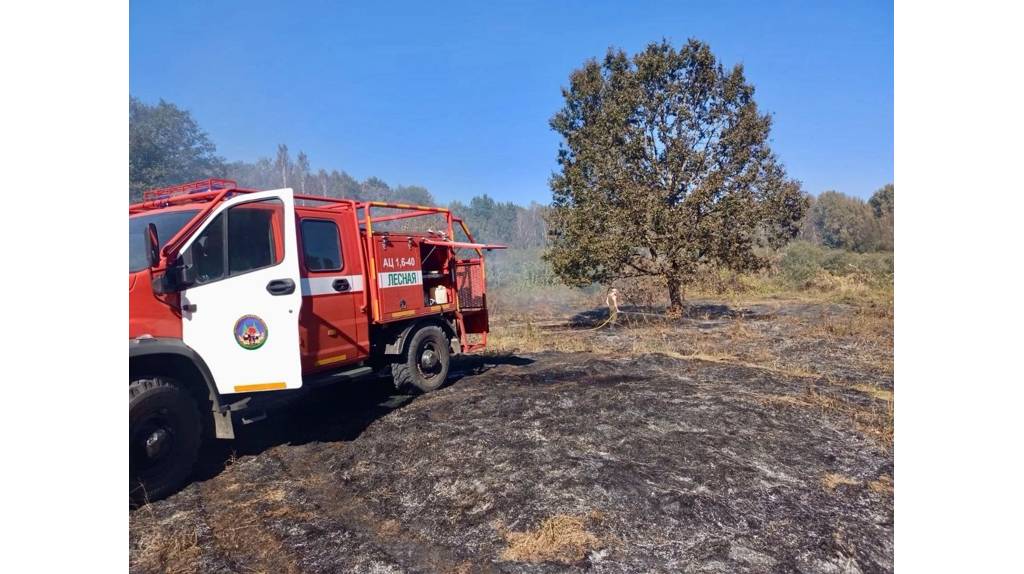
(464, 567)
(792, 400)
(529, 338)
(882, 485)
(833, 480)
(878, 423)
(562, 539)
(171, 548)
(861, 339)
(389, 528)
(240, 526)
(875, 422)
(873, 391)
(869, 328)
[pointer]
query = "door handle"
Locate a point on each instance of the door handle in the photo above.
(281, 287)
(341, 285)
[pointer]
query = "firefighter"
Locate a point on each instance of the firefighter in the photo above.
(612, 301)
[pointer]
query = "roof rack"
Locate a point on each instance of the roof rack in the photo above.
(201, 186)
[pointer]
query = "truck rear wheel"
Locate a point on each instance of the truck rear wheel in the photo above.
(164, 433)
(425, 365)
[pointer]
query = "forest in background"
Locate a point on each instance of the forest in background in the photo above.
(843, 243)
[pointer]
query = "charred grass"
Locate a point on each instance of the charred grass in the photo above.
(843, 350)
(557, 462)
(746, 435)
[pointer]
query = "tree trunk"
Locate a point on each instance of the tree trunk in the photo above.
(676, 300)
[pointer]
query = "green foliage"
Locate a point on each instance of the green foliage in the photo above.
(520, 268)
(843, 222)
(282, 171)
(802, 262)
(503, 222)
(882, 201)
(839, 221)
(166, 147)
(665, 169)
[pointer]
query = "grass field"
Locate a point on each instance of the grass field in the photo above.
(821, 314)
(752, 433)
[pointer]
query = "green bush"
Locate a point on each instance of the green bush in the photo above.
(800, 263)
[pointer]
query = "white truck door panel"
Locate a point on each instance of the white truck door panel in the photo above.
(242, 314)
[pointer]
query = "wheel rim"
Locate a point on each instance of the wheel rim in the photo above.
(428, 360)
(153, 441)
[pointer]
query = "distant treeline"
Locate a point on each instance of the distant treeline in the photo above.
(489, 220)
(839, 221)
(167, 147)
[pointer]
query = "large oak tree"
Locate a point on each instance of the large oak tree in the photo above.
(665, 169)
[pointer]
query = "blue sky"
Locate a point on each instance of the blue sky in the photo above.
(456, 96)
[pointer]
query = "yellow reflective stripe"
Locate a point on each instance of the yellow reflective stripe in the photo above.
(260, 387)
(329, 360)
(404, 313)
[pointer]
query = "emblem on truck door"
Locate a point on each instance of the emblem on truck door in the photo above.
(250, 332)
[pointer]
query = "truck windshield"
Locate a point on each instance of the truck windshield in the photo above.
(167, 224)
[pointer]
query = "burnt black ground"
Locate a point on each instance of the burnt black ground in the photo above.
(686, 465)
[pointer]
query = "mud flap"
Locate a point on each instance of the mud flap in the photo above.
(222, 424)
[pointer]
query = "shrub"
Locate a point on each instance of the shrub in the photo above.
(800, 261)
(803, 265)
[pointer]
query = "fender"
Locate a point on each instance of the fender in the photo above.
(152, 346)
(397, 344)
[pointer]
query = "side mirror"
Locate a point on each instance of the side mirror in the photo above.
(152, 246)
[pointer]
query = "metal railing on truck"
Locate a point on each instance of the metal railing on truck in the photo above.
(470, 274)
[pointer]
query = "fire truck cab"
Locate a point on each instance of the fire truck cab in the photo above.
(239, 297)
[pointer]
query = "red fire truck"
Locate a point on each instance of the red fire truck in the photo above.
(238, 297)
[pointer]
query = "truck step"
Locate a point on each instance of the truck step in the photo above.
(253, 417)
(337, 376)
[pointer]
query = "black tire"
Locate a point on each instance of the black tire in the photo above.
(164, 434)
(425, 365)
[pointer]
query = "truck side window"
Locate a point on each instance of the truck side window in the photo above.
(251, 235)
(208, 252)
(251, 241)
(321, 245)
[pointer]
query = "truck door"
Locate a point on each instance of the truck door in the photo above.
(332, 290)
(242, 313)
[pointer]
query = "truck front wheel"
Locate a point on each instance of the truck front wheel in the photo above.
(425, 365)
(164, 433)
